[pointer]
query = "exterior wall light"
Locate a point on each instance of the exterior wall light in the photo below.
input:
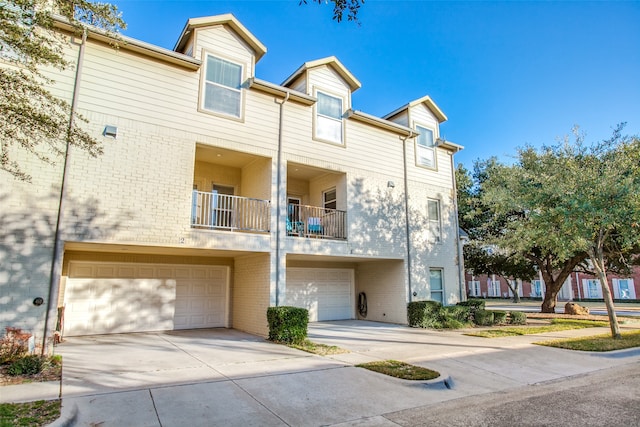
(111, 131)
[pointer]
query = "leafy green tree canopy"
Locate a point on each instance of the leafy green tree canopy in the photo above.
(563, 206)
(32, 119)
(350, 8)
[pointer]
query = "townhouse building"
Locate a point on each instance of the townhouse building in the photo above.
(219, 194)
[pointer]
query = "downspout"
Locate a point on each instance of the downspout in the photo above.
(406, 213)
(58, 252)
(278, 190)
(457, 223)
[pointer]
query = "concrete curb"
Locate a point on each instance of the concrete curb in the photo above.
(68, 419)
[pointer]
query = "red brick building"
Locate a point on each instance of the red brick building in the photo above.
(578, 286)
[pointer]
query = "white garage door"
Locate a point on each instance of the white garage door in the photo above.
(326, 292)
(104, 297)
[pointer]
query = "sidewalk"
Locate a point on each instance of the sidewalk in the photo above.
(224, 377)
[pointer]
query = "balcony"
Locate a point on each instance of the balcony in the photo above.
(210, 210)
(316, 222)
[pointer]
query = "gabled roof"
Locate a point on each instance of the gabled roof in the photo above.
(226, 19)
(332, 62)
(427, 101)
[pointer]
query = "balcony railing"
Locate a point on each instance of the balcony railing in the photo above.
(314, 221)
(235, 213)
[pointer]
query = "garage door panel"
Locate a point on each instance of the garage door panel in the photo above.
(168, 298)
(326, 293)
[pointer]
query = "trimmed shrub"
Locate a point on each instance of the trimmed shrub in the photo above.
(27, 365)
(287, 324)
(499, 317)
(452, 323)
(517, 318)
(460, 313)
(483, 318)
(425, 314)
(474, 304)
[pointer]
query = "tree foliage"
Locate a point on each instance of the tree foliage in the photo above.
(564, 207)
(342, 8)
(32, 119)
(481, 223)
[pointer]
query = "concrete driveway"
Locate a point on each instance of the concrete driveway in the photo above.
(225, 377)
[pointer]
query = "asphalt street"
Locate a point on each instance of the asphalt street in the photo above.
(609, 397)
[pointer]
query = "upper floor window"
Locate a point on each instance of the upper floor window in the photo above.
(433, 215)
(425, 148)
(329, 118)
(329, 199)
(222, 86)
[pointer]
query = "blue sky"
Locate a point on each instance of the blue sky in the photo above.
(506, 74)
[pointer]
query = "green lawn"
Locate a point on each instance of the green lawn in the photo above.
(555, 326)
(602, 342)
(402, 370)
(32, 414)
(321, 349)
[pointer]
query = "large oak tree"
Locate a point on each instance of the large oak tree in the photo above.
(566, 207)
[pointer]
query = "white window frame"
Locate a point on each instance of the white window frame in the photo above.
(206, 83)
(474, 288)
(537, 288)
(493, 288)
(435, 225)
(587, 287)
(513, 283)
(421, 149)
(437, 291)
(631, 286)
(319, 118)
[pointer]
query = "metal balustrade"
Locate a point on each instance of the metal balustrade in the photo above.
(210, 210)
(316, 222)
(221, 211)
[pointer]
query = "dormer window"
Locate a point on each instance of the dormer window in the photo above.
(329, 118)
(425, 148)
(222, 87)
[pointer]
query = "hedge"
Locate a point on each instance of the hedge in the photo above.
(517, 318)
(287, 324)
(425, 314)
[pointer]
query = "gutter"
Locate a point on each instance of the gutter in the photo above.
(58, 250)
(380, 123)
(281, 91)
(131, 44)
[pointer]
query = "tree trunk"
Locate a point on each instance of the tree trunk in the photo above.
(549, 301)
(598, 262)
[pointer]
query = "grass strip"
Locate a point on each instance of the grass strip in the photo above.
(402, 370)
(555, 326)
(32, 414)
(320, 349)
(602, 342)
